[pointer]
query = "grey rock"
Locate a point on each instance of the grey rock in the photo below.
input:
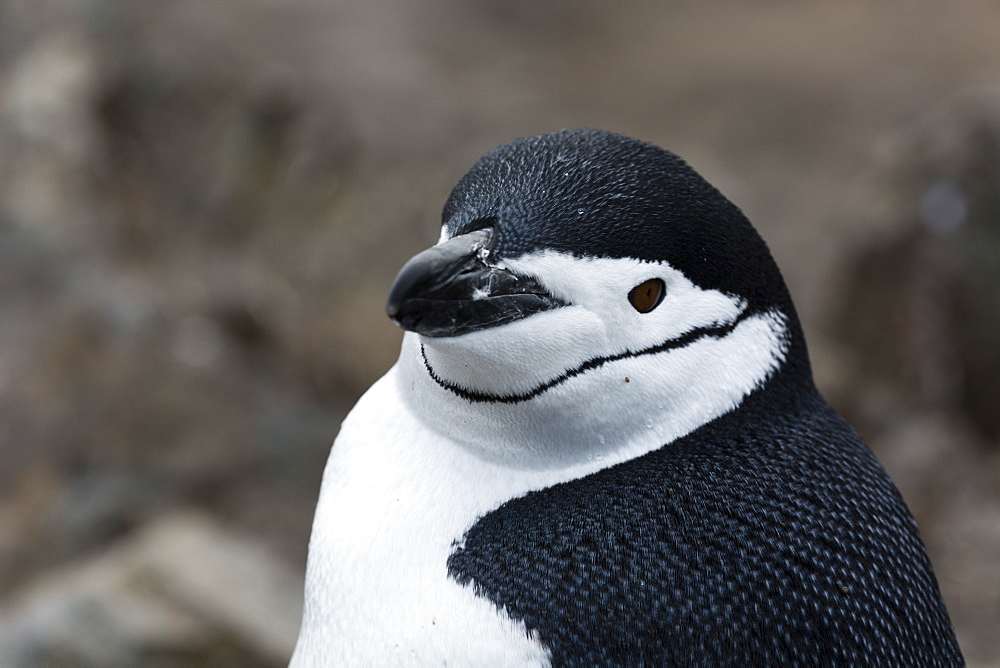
(183, 590)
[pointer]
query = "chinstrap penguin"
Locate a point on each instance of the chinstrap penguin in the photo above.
(602, 445)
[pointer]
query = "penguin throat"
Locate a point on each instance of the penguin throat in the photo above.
(682, 341)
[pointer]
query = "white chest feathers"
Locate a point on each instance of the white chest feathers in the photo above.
(395, 497)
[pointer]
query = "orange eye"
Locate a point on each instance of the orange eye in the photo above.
(647, 295)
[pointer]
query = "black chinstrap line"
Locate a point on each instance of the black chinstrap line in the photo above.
(681, 341)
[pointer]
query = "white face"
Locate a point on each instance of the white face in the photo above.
(584, 380)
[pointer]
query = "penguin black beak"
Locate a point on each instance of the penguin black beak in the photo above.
(450, 290)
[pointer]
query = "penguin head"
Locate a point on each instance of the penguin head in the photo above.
(587, 286)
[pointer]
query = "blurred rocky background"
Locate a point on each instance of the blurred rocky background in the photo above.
(202, 205)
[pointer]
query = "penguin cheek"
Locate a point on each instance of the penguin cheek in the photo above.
(519, 356)
(625, 329)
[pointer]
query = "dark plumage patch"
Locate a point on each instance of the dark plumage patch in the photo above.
(770, 536)
(598, 194)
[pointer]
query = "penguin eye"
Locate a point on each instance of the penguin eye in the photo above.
(647, 295)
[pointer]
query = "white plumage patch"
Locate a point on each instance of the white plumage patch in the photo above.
(416, 464)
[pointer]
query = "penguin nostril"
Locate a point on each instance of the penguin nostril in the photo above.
(647, 295)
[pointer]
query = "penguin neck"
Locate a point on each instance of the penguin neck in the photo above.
(606, 415)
